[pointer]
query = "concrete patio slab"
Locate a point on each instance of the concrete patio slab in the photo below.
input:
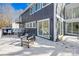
(10, 46)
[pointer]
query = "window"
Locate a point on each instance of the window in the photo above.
(30, 10)
(36, 6)
(43, 28)
(72, 13)
(39, 6)
(34, 24)
(31, 24)
(33, 8)
(77, 12)
(73, 28)
(69, 27)
(44, 4)
(27, 25)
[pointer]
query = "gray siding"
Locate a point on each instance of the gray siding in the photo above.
(31, 31)
(46, 12)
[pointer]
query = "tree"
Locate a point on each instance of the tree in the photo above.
(8, 14)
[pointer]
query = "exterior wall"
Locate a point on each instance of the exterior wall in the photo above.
(72, 11)
(51, 12)
(72, 17)
(31, 31)
(59, 20)
(25, 16)
(44, 13)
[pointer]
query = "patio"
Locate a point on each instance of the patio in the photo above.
(10, 46)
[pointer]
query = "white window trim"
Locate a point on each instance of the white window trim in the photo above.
(55, 20)
(48, 37)
(67, 31)
(72, 20)
(34, 22)
(35, 11)
(40, 8)
(29, 24)
(45, 5)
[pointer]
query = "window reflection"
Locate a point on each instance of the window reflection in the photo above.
(72, 13)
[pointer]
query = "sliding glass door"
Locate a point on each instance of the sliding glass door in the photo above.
(76, 27)
(72, 28)
(43, 28)
(59, 26)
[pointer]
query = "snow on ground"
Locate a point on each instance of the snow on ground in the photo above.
(10, 46)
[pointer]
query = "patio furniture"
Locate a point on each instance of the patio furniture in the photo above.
(27, 40)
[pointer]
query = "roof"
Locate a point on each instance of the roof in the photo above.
(27, 8)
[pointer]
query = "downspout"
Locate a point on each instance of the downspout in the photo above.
(55, 29)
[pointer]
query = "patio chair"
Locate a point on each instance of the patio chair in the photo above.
(27, 40)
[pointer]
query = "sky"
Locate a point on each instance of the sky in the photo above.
(14, 10)
(18, 6)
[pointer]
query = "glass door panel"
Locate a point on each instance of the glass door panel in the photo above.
(40, 28)
(59, 27)
(76, 28)
(43, 28)
(73, 28)
(69, 27)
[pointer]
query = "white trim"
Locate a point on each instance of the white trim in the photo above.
(72, 27)
(29, 24)
(43, 20)
(72, 20)
(65, 27)
(71, 33)
(55, 29)
(40, 8)
(59, 18)
(36, 11)
(71, 30)
(61, 23)
(45, 5)
(47, 36)
(62, 28)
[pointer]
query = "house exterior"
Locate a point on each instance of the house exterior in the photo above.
(72, 19)
(39, 19)
(49, 20)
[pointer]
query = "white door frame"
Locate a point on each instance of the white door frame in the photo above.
(71, 30)
(48, 27)
(61, 20)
